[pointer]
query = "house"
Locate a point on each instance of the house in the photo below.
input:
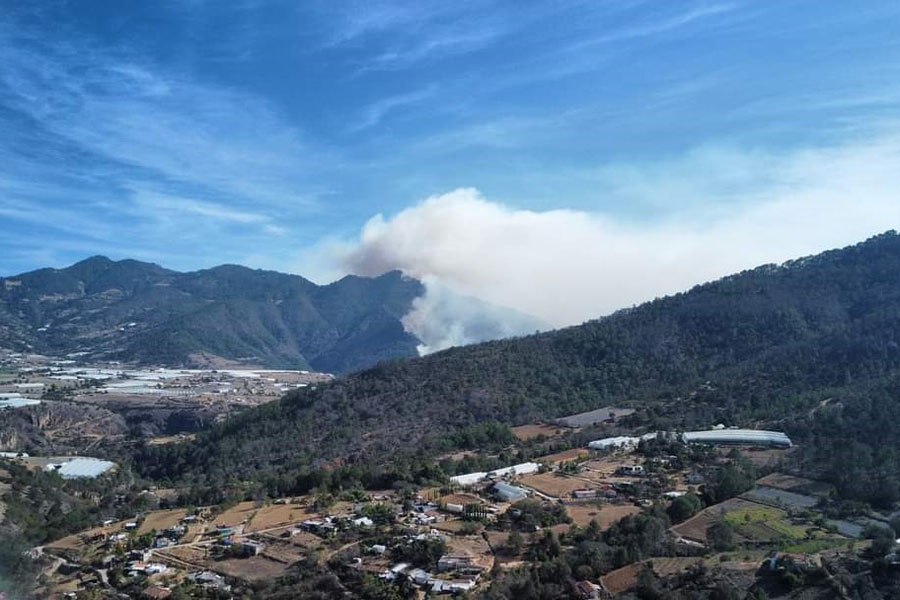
(424, 518)
(694, 478)
(584, 493)
(154, 568)
(442, 586)
(207, 579)
(363, 522)
(251, 548)
(419, 576)
(378, 549)
(463, 563)
(632, 470)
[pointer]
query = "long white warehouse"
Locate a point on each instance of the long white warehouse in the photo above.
(758, 437)
(473, 478)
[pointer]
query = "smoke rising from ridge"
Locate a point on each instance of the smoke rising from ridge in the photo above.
(567, 266)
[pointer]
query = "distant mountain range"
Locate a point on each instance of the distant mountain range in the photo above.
(135, 311)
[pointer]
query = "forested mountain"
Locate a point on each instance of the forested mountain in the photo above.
(765, 345)
(136, 311)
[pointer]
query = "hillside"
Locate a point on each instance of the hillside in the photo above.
(753, 347)
(134, 311)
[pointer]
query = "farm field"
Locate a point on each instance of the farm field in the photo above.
(450, 526)
(798, 485)
(461, 498)
(237, 514)
(621, 580)
(529, 432)
(776, 497)
(564, 456)
(763, 458)
(554, 484)
(275, 515)
(255, 568)
(604, 514)
(161, 519)
(695, 527)
(599, 415)
(604, 468)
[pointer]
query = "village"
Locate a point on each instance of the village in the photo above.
(450, 538)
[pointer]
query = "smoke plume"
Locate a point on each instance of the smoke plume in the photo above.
(567, 266)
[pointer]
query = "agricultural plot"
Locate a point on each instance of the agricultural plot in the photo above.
(255, 568)
(695, 528)
(555, 484)
(461, 498)
(529, 432)
(797, 485)
(161, 519)
(602, 469)
(237, 514)
(604, 514)
(275, 515)
(766, 524)
(769, 457)
(564, 456)
(591, 417)
(780, 498)
(622, 580)
(301, 539)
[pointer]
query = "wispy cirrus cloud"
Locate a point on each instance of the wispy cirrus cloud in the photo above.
(161, 126)
(378, 110)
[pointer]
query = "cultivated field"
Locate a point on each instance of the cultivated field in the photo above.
(798, 485)
(276, 515)
(775, 497)
(599, 415)
(528, 432)
(161, 519)
(621, 580)
(695, 527)
(237, 514)
(602, 469)
(564, 456)
(604, 514)
(554, 484)
(762, 458)
(255, 568)
(461, 498)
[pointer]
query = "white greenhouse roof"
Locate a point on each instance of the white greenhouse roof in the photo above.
(473, 478)
(80, 466)
(738, 436)
(17, 402)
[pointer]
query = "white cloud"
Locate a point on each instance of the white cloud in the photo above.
(567, 266)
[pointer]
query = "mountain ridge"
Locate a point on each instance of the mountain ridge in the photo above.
(137, 311)
(760, 347)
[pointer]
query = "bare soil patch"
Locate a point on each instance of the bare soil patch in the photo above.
(555, 484)
(529, 432)
(275, 515)
(161, 519)
(604, 514)
(564, 456)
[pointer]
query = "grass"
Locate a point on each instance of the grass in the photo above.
(815, 545)
(755, 514)
(765, 523)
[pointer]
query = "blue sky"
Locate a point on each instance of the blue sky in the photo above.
(195, 133)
